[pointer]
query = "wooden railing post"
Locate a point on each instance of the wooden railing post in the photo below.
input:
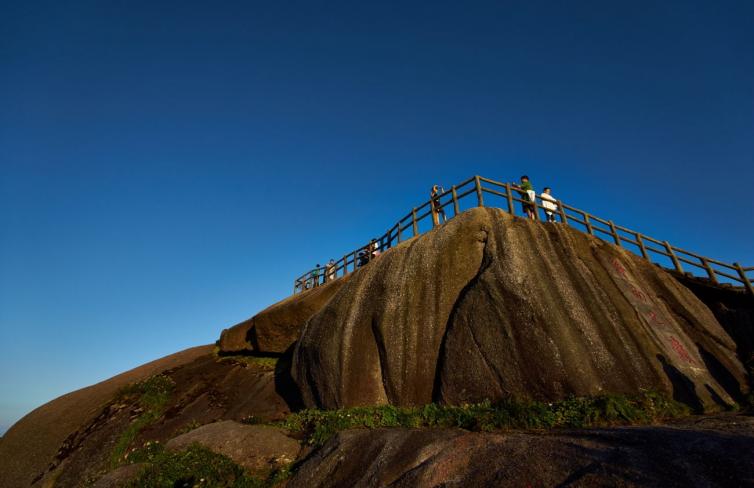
(479, 197)
(744, 278)
(456, 207)
(640, 243)
(509, 195)
(399, 232)
(614, 233)
(673, 257)
(589, 228)
(563, 216)
(414, 222)
(709, 270)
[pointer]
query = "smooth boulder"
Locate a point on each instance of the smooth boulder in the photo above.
(258, 448)
(276, 328)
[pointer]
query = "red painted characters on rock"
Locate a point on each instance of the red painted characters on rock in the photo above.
(680, 350)
(619, 268)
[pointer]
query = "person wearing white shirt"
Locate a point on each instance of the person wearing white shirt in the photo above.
(549, 203)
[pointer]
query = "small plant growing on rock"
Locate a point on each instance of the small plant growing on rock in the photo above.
(149, 397)
(197, 466)
(320, 425)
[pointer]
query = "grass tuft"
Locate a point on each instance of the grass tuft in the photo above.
(151, 395)
(318, 426)
(263, 363)
(196, 466)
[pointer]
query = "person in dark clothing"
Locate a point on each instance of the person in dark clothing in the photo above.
(437, 208)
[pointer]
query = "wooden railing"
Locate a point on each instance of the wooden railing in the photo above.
(476, 189)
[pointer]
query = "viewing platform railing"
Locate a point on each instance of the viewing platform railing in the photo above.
(476, 188)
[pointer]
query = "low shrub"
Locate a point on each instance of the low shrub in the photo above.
(320, 425)
(194, 466)
(151, 395)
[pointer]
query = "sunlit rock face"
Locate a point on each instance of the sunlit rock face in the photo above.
(276, 328)
(490, 306)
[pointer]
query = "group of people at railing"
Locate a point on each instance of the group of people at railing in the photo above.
(324, 274)
(529, 195)
(531, 203)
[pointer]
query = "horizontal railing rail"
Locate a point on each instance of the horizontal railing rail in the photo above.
(474, 189)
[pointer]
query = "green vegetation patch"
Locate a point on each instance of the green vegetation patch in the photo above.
(263, 363)
(318, 426)
(195, 466)
(151, 395)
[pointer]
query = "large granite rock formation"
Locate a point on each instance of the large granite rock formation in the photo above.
(491, 306)
(276, 328)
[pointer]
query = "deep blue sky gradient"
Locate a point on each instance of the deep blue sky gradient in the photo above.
(168, 168)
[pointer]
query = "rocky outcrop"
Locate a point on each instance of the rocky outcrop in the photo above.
(276, 328)
(733, 307)
(490, 306)
(80, 442)
(712, 452)
(258, 448)
(31, 444)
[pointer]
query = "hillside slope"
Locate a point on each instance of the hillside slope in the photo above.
(31, 444)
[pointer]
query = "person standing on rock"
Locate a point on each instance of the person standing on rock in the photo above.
(437, 208)
(315, 276)
(374, 249)
(529, 205)
(549, 203)
(330, 270)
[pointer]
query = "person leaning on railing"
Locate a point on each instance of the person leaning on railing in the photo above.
(528, 195)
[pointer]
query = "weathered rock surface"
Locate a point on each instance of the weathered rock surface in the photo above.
(258, 448)
(276, 328)
(119, 476)
(492, 306)
(707, 452)
(206, 389)
(733, 308)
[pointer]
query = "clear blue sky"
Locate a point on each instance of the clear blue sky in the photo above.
(168, 168)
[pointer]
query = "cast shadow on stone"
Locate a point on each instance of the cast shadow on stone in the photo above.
(683, 387)
(723, 377)
(437, 387)
(284, 384)
(251, 338)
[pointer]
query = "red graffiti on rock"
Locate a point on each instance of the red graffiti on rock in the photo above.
(619, 268)
(680, 350)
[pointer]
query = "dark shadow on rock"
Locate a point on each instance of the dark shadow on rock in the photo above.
(284, 384)
(251, 338)
(437, 393)
(717, 399)
(683, 387)
(721, 374)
